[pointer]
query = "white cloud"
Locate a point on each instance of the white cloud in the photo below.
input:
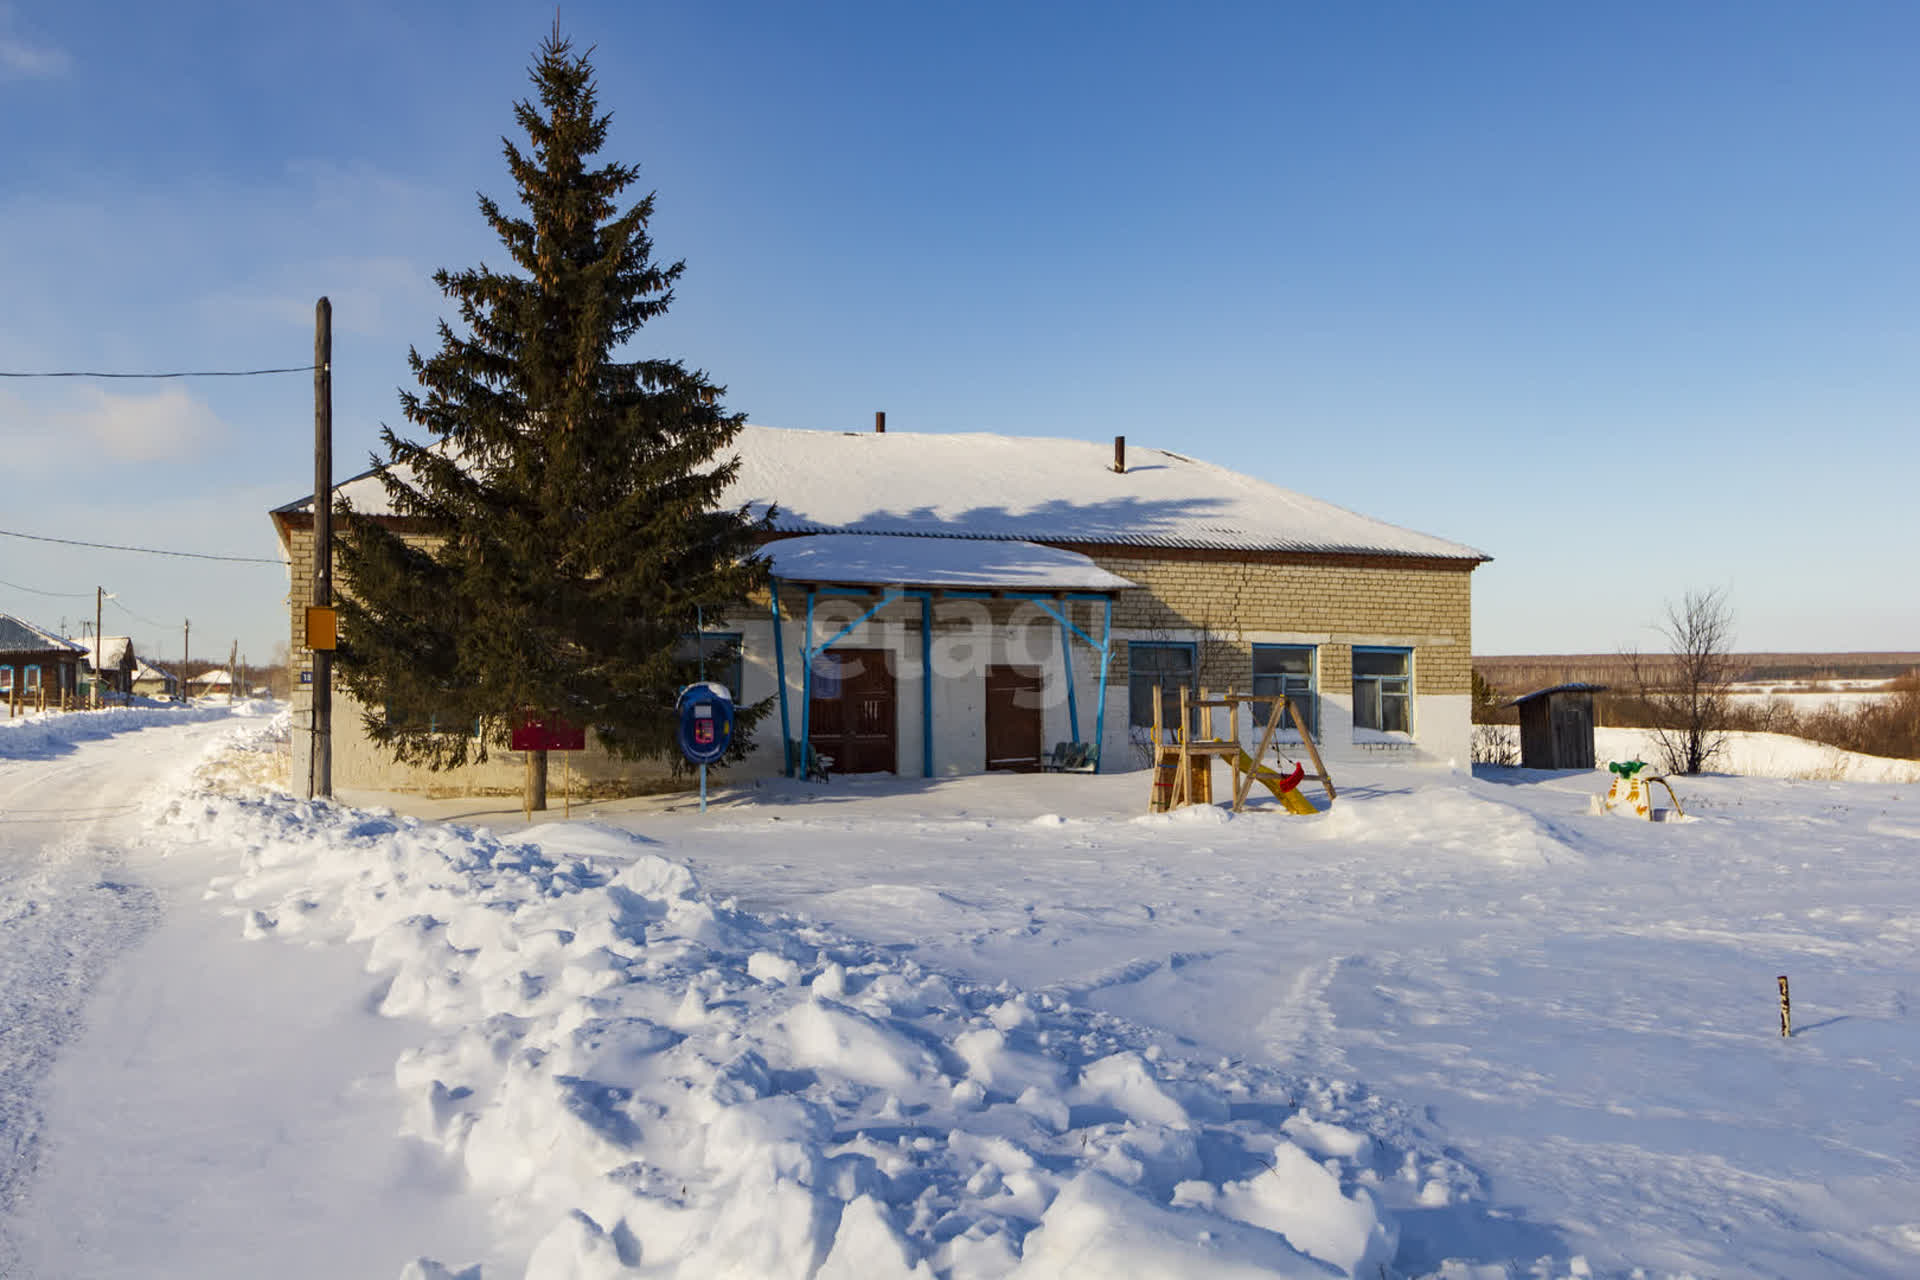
(22, 60)
(97, 425)
(372, 296)
(164, 424)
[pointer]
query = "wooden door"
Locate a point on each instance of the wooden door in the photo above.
(852, 714)
(1013, 717)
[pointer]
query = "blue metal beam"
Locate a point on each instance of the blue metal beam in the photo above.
(1066, 665)
(806, 685)
(886, 599)
(1100, 720)
(1061, 618)
(780, 674)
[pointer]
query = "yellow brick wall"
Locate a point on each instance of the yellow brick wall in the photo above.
(1336, 601)
(1350, 600)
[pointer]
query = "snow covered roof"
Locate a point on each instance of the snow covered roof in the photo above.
(18, 636)
(1576, 686)
(213, 678)
(1020, 488)
(144, 670)
(897, 561)
(118, 650)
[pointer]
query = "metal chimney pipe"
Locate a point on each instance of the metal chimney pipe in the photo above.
(880, 424)
(1120, 454)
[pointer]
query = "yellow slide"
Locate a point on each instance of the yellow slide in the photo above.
(1285, 787)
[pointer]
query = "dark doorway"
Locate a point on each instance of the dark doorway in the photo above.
(1014, 703)
(852, 713)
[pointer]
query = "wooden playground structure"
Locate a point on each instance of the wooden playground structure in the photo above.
(1183, 765)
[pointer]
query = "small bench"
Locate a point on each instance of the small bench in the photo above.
(814, 765)
(1072, 757)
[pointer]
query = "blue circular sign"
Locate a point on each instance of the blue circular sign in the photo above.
(706, 722)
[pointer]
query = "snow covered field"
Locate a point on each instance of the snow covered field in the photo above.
(982, 1027)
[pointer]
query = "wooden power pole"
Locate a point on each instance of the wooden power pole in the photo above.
(99, 642)
(186, 644)
(320, 765)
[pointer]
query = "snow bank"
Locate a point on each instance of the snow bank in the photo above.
(651, 1082)
(46, 733)
(1767, 755)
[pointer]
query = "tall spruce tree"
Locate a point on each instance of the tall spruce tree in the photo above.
(555, 536)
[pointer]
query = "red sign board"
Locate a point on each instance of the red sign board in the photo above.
(547, 733)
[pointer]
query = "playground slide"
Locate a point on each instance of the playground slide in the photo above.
(1285, 787)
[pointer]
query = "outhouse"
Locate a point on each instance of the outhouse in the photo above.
(1556, 726)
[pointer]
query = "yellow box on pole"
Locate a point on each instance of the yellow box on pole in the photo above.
(323, 623)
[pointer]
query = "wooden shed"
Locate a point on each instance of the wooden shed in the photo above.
(1556, 726)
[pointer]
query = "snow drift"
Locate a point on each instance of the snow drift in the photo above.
(653, 1083)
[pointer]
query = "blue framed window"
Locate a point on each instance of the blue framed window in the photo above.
(1286, 669)
(724, 654)
(1383, 689)
(1171, 665)
(33, 677)
(6, 679)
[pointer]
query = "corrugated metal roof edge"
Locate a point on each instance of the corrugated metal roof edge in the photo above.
(1149, 540)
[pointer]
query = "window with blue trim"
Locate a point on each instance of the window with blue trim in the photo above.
(6, 679)
(1383, 689)
(33, 677)
(1150, 663)
(722, 650)
(1286, 669)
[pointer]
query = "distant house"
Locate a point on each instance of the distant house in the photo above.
(36, 662)
(116, 663)
(953, 603)
(150, 681)
(217, 680)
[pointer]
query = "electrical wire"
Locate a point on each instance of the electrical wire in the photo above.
(186, 373)
(63, 595)
(147, 551)
(138, 617)
(87, 595)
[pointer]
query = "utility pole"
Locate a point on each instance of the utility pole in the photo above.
(320, 762)
(99, 643)
(186, 637)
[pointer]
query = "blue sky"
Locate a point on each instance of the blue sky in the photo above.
(1626, 295)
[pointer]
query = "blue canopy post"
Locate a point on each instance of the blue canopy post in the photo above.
(806, 684)
(780, 674)
(926, 683)
(1106, 656)
(1104, 646)
(1066, 663)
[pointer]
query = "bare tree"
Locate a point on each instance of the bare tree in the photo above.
(1690, 693)
(1495, 739)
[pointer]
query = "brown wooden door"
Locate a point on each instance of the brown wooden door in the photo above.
(1013, 717)
(852, 714)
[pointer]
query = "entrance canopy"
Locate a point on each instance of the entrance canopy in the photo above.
(902, 560)
(904, 567)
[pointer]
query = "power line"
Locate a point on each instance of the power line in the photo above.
(64, 595)
(138, 617)
(148, 551)
(187, 373)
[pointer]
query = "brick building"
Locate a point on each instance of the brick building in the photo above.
(950, 603)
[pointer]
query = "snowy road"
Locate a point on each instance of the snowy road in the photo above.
(67, 907)
(173, 1101)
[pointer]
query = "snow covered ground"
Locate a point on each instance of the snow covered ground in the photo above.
(980, 1027)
